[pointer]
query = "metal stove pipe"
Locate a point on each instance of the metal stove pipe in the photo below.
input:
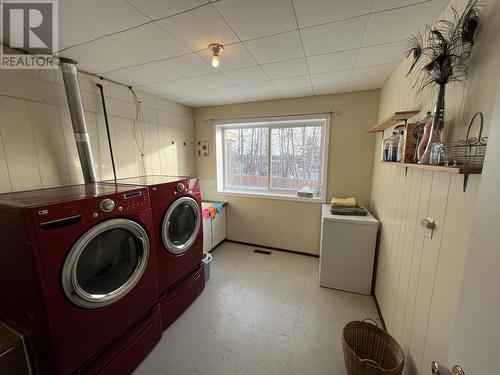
(77, 113)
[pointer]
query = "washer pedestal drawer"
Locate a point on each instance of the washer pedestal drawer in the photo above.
(128, 352)
(181, 296)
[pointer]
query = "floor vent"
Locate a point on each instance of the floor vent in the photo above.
(262, 252)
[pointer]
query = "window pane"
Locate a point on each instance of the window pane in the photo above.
(246, 158)
(296, 158)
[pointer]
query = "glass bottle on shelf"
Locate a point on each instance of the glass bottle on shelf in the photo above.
(400, 144)
(385, 148)
(394, 146)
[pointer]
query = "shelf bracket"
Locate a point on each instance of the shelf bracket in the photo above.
(466, 181)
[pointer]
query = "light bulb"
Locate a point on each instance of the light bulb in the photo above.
(215, 61)
(216, 51)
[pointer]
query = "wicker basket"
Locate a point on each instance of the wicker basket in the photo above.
(369, 350)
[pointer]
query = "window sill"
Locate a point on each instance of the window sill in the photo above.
(267, 195)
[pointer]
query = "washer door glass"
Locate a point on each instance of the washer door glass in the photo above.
(181, 225)
(105, 263)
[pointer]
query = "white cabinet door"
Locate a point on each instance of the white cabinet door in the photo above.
(207, 234)
(219, 227)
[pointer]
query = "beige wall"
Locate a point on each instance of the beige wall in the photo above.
(418, 279)
(290, 224)
(37, 147)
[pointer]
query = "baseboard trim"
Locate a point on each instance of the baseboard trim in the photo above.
(274, 248)
(379, 312)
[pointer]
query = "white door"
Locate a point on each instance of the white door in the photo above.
(476, 343)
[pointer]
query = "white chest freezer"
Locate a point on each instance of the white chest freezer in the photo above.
(347, 251)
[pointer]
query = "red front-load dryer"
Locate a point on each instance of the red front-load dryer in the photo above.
(78, 275)
(176, 207)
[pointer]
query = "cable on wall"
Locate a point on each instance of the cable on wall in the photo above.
(101, 89)
(139, 131)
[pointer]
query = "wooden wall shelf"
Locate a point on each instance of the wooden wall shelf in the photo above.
(438, 168)
(463, 170)
(392, 120)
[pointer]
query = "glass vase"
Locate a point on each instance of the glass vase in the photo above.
(436, 135)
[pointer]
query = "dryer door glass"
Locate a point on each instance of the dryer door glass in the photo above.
(181, 225)
(106, 263)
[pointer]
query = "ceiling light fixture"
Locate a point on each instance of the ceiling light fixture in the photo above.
(216, 51)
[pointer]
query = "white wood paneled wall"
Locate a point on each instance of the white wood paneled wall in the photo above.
(37, 146)
(418, 278)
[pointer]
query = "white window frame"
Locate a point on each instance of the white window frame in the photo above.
(271, 123)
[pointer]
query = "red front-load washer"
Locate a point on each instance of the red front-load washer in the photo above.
(78, 274)
(176, 207)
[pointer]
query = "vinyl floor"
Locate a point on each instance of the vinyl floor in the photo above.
(259, 314)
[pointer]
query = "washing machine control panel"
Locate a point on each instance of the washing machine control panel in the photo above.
(107, 205)
(180, 187)
(135, 200)
(118, 203)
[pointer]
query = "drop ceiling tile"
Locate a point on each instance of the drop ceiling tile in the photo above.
(332, 37)
(366, 85)
(382, 5)
(400, 23)
(174, 87)
(296, 93)
(190, 65)
(164, 70)
(150, 42)
(100, 56)
(232, 91)
(331, 78)
(379, 72)
(294, 83)
(314, 12)
(199, 28)
(82, 21)
(183, 85)
(114, 52)
(276, 48)
(144, 74)
(257, 18)
(206, 94)
(270, 95)
(260, 87)
(156, 9)
(209, 81)
(177, 98)
(234, 56)
(247, 75)
(331, 62)
(331, 89)
(381, 54)
(287, 68)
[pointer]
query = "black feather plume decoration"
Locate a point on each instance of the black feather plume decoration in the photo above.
(440, 52)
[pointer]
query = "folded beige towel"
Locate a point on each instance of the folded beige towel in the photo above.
(345, 202)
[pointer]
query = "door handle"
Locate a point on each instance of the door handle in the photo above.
(434, 368)
(456, 370)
